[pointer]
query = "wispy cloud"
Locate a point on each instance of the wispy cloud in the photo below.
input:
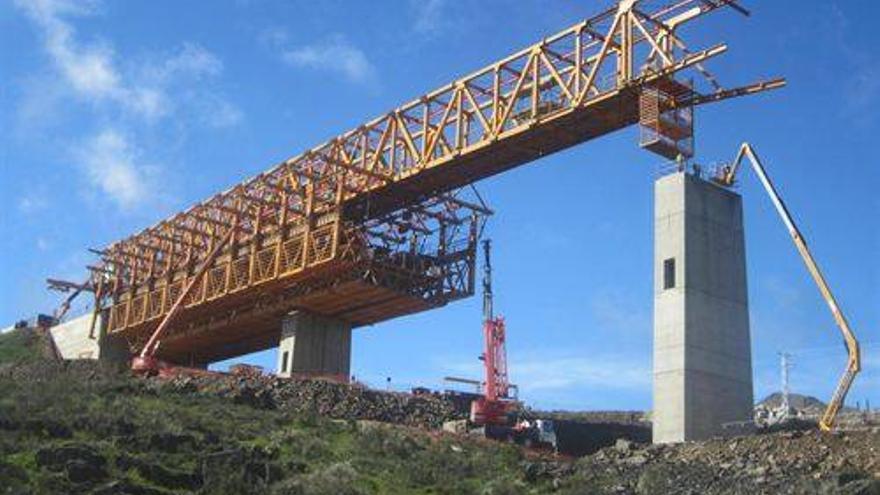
(111, 164)
(608, 372)
(191, 60)
(33, 201)
(126, 97)
(335, 55)
(553, 370)
(218, 113)
(429, 16)
(88, 68)
(861, 83)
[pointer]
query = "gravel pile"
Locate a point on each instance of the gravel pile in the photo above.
(788, 462)
(325, 398)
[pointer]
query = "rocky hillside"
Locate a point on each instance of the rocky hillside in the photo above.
(80, 427)
(84, 428)
(796, 401)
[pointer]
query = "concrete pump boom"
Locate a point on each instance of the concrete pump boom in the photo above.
(726, 178)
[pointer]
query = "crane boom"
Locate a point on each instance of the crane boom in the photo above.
(493, 406)
(726, 178)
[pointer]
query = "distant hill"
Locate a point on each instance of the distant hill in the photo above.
(796, 401)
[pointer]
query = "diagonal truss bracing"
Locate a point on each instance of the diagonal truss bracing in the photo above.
(383, 204)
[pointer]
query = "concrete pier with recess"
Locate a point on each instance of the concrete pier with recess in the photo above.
(314, 345)
(702, 348)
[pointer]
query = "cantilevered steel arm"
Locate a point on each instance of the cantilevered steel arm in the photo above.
(725, 94)
(726, 178)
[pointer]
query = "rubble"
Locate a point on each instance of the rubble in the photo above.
(321, 397)
(187, 440)
(786, 462)
(804, 413)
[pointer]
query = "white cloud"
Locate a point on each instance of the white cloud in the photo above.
(607, 372)
(148, 90)
(192, 60)
(335, 54)
(133, 95)
(861, 78)
(545, 371)
(429, 16)
(862, 89)
(109, 162)
(273, 37)
(89, 69)
(32, 202)
(217, 113)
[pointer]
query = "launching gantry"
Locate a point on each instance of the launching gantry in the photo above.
(382, 221)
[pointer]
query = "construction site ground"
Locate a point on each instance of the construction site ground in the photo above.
(86, 427)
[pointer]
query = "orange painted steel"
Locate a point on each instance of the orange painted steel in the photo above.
(378, 222)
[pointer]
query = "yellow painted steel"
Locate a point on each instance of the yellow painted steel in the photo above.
(853, 365)
(381, 192)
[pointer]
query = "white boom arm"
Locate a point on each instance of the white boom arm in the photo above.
(726, 178)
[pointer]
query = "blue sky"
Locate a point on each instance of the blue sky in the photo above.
(116, 114)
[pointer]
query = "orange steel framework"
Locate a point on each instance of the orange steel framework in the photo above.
(379, 222)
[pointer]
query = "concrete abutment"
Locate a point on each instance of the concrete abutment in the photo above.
(73, 340)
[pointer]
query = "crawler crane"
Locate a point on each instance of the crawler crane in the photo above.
(726, 177)
(494, 411)
(493, 406)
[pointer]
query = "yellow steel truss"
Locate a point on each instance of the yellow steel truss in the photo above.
(382, 202)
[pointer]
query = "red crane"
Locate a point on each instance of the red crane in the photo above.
(494, 410)
(493, 406)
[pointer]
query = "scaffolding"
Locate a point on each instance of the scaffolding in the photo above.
(665, 128)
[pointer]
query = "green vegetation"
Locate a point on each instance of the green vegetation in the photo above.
(89, 428)
(85, 428)
(19, 346)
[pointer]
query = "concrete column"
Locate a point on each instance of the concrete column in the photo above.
(702, 349)
(312, 344)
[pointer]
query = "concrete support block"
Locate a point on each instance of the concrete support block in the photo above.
(74, 342)
(702, 348)
(314, 345)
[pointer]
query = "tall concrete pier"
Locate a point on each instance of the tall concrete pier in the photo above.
(314, 345)
(702, 349)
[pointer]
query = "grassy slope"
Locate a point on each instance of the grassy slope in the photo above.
(154, 440)
(78, 427)
(18, 346)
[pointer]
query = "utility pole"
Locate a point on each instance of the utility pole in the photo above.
(785, 367)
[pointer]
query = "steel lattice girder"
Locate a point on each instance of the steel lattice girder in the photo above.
(368, 183)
